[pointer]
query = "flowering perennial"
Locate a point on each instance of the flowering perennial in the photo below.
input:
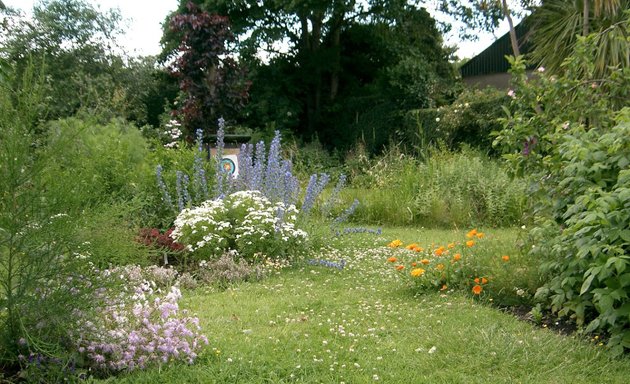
(245, 221)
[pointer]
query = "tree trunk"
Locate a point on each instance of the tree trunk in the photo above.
(513, 39)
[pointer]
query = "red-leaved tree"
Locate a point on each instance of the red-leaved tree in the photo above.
(213, 84)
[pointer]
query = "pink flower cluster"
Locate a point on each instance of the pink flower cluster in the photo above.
(138, 327)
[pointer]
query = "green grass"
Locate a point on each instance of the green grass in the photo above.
(312, 324)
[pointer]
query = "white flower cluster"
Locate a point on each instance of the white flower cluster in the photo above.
(264, 220)
(173, 132)
(245, 219)
(205, 226)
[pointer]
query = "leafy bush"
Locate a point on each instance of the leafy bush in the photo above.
(467, 189)
(469, 120)
(37, 259)
(572, 135)
(100, 161)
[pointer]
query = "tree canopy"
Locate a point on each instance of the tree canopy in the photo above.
(304, 61)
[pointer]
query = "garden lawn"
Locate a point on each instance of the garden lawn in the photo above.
(316, 324)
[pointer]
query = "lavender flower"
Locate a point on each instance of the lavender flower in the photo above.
(181, 188)
(221, 176)
(353, 230)
(333, 197)
(291, 185)
(315, 187)
(200, 183)
(309, 197)
(259, 166)
(166, 197)
(273, 171)
(347, 213)
(340, 265)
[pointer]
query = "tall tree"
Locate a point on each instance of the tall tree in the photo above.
(86, 69)
(309, 31)
(213, 84)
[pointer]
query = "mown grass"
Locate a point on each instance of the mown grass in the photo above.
(313, 324)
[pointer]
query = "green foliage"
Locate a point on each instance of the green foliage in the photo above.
(75, 44)
(38, 263)
(558, 24)
(571, 134)
(100, 162)
(468, 120)
(449, 189)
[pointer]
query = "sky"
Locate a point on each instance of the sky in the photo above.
(144, 18)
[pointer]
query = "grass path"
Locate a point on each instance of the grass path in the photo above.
(314, 324)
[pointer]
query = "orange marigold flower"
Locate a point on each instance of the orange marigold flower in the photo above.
(451, 246)
(411, 246)
(457, 257)
(477, 289)
(418, 249)
(471, 234)
(440, 251)
(476, 280)
(392, 259)
(439, 267)
(417, 272)
(505, 258)
(413, 264)
(425, 261)
(395, 244)
(484, 280)
(480, 235)
(470, 243)
(444, 287)
(400, 267)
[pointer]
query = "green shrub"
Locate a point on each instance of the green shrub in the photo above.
(42, 273)
(572, 136)
(467, 189)
(469, 120)
(102, 162)
(449, 189)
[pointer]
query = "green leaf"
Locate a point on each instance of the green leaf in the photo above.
(587, 284)
(605, 303)
(625, 235)
(624, 280)
(593, 325)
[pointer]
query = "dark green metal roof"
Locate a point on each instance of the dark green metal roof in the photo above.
(493, 60)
